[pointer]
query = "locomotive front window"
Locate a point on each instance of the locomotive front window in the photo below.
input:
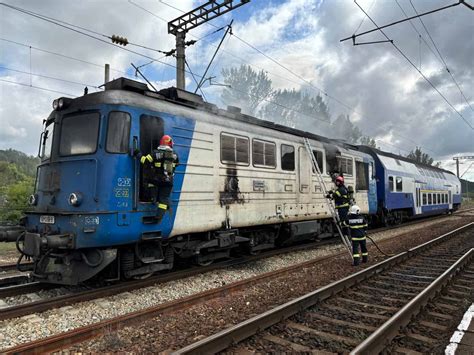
(79, 134)
(118, 132)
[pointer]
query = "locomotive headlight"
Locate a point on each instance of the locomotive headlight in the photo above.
(33, 200)
(75, 199)
(55, 104)
(61, 103)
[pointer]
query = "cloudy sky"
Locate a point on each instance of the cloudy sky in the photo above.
(374, 84)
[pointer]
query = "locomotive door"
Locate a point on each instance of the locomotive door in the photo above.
(304, 176)
(417, 198)
(151, 131)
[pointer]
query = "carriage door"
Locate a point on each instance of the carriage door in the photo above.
(151, 131)
(417, 198)
(304, 176)
(450, 199)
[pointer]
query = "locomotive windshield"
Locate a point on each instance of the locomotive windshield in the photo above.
(47, 142)
(79, 134)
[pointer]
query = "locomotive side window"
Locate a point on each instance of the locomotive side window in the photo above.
(362, 176)
(287, 157)
(47, 142)
(399, 184)
(79, 134)
(390, 183)
(424, 199)
(319, 158)
(345, 165)
(263, 153)
(118, 132)
(234, 149)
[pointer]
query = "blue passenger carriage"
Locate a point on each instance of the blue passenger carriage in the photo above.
(407, 189)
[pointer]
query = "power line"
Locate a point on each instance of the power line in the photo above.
(320, 90)
(49, 77)
(444, 62)
(60, 55)
(36, 87)
(414, 66)
(41, 17)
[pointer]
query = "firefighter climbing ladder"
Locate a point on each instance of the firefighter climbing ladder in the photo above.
(332, 209)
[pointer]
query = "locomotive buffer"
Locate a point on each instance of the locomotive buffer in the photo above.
(332, 209)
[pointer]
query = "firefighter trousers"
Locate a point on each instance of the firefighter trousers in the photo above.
(163, 199)
(356, 243)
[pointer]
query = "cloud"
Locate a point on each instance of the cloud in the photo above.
(387, 97)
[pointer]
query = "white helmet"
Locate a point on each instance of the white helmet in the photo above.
(355, 209)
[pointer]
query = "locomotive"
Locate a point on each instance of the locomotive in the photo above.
(243, 184)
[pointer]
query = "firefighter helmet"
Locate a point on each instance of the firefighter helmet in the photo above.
(355, 209)
(340, 180)
(166, 140)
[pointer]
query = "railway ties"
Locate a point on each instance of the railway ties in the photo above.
(364, 313)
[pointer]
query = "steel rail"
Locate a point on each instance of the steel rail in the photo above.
(222, 340)
(62, 340)
(377, 341)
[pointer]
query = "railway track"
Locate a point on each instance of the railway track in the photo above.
(361, 313)
(63, 340)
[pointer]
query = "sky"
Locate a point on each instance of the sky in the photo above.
(296, 42)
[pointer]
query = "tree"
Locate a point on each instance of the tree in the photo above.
(421, 157)
(248, 89)
(343, 128)
(296, 108)
(370, 142)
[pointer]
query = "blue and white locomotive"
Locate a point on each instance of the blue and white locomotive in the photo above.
(242, 185)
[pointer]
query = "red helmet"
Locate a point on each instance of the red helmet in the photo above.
(340, 179)
(166, 140)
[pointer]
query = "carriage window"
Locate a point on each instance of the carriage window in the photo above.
(319, 158)
(287, 157)
(362, 176)
(439, 199)
(234, 149)
(345, 165)
(424, 199)
(429, 200)
(79, 134)
(390, 183)
(399, 184)
(263, 153)
(118, 132)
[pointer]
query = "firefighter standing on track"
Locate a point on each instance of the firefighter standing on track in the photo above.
(163, 162)
(357, 225)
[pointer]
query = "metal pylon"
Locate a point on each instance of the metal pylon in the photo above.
(332, 209)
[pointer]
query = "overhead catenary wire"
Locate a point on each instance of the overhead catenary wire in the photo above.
(49, 77)
(36, 87)
(319, 90)
(442, 58)
(414, 66)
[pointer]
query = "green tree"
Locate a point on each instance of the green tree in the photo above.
(343, 128)
(296, 108)
(17, 200)
(248, 89)
(370, 142)
(424, 158)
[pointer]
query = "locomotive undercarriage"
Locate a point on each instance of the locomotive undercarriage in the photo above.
(55, 259)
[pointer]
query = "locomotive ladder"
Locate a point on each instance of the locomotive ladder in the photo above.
(332, 209)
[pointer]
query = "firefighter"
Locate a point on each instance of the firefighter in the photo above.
(163, 162)
(357, 226)
(341, 198)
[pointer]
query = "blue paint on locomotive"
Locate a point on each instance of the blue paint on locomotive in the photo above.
(106, 182)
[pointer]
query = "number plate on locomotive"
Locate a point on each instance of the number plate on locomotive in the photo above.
(47, 219)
